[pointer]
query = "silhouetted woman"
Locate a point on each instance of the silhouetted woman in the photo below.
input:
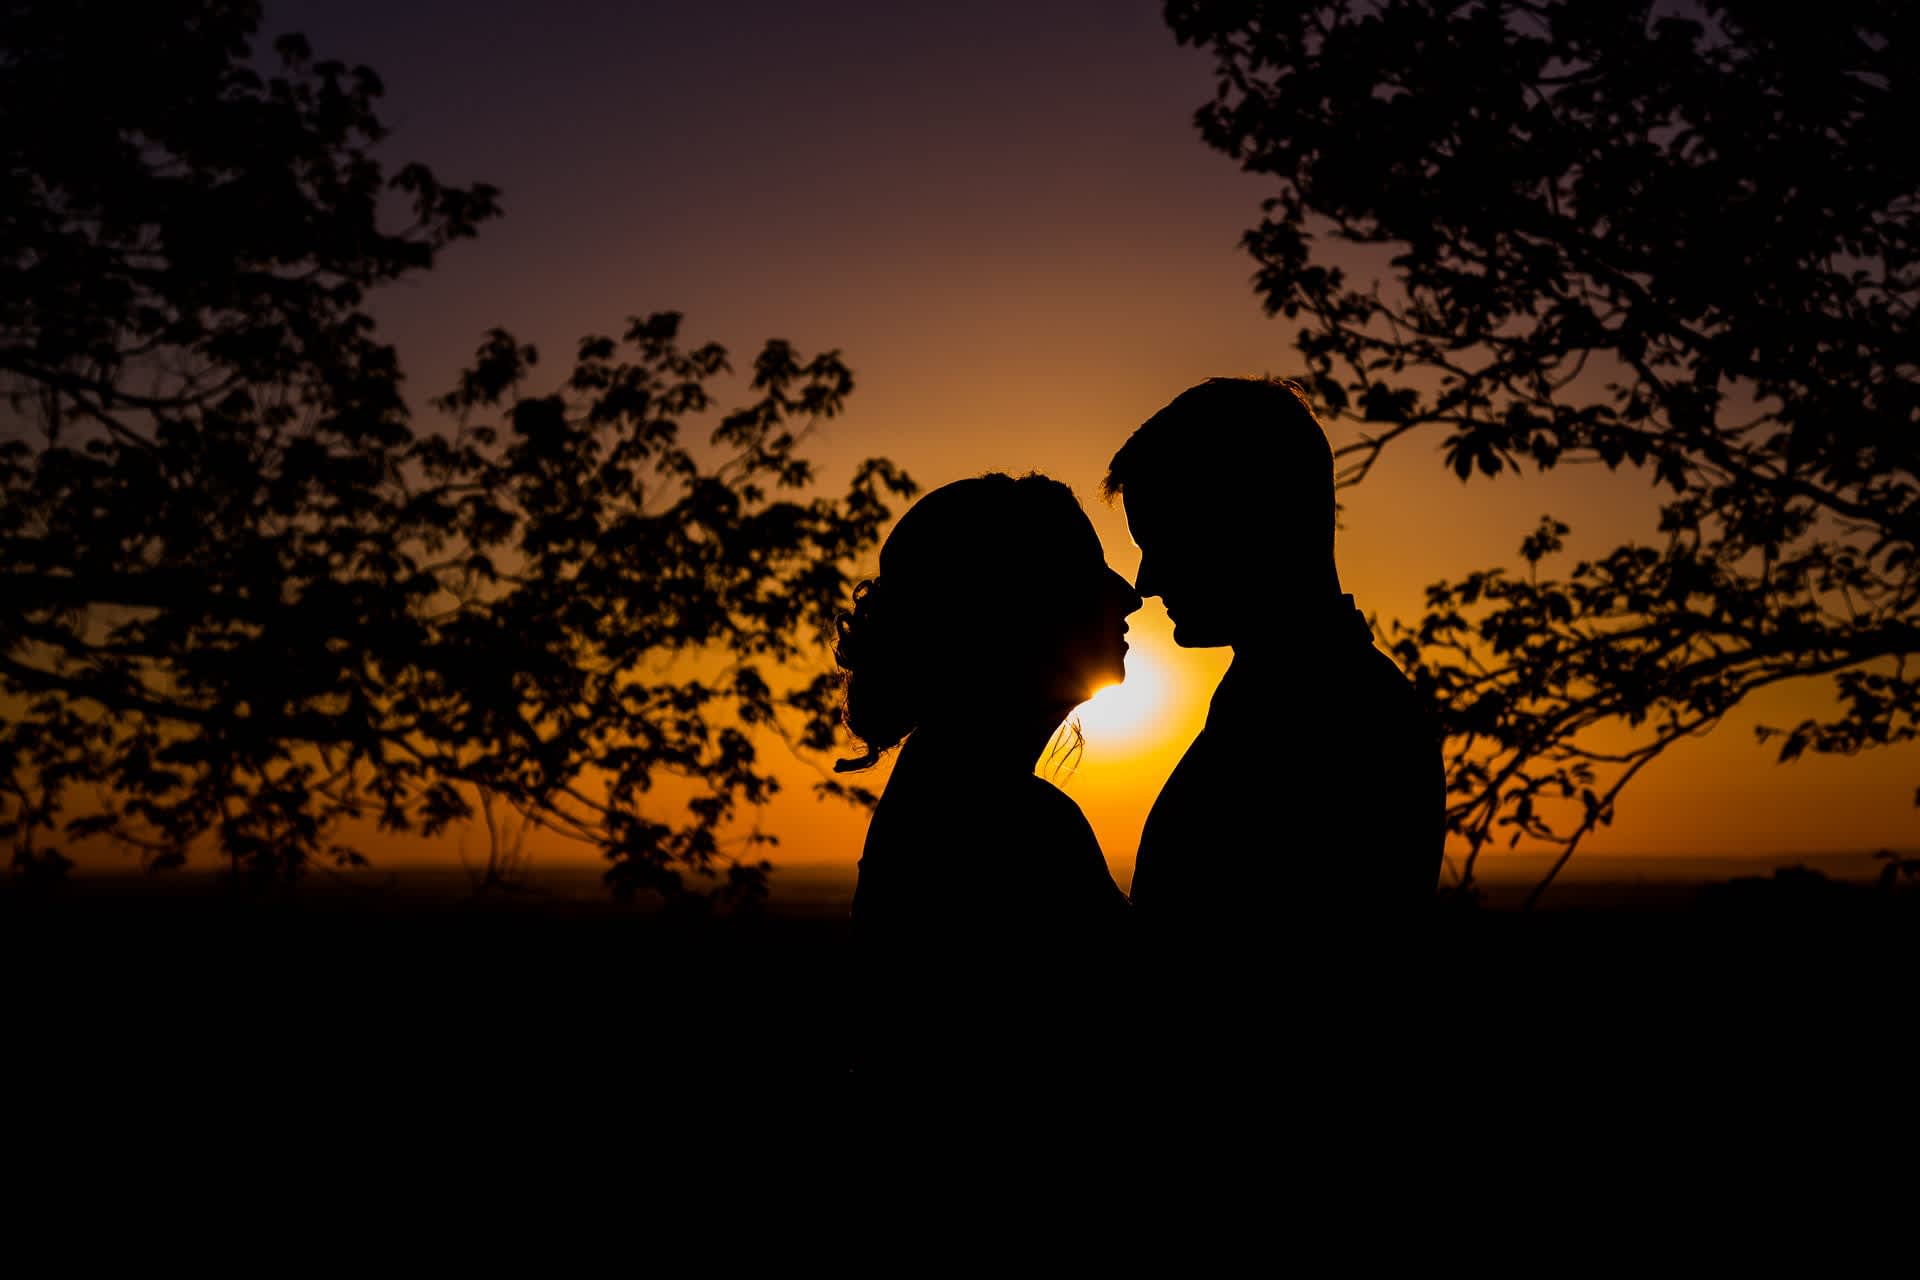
(987, 924)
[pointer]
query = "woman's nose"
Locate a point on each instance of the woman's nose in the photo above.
(1125, 591)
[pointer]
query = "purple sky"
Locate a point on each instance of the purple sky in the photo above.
(1002, 215)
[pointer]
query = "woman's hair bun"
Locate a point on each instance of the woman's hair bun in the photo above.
(973, 539)
(853, 630)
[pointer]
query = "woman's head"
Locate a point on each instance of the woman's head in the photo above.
(993, 598)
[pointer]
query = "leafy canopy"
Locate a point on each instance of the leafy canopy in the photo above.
(246, 599)
(1677, 238)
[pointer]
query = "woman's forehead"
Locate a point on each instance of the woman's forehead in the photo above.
(1079, 532)
(1066, 538)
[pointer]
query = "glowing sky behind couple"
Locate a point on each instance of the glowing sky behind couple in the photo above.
(1002, 215)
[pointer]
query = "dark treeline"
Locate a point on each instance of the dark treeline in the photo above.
(1681, 240)
(249, 594)
(253, 605)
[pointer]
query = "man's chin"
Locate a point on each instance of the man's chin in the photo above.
(1189, 635)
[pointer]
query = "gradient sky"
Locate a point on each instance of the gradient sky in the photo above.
(1003, 217)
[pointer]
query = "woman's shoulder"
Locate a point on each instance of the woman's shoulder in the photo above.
(1051, 804)
(1020, 824)
(1026, 809)
(982, 800)
(1015, 860)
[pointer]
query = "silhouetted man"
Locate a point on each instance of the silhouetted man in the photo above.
(1313, 799)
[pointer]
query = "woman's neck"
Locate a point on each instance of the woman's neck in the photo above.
(997, 742)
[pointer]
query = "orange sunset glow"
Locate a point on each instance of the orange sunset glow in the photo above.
(572, 569)
(1003, 219)
(1023, 252)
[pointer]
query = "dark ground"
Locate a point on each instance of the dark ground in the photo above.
(183, 998)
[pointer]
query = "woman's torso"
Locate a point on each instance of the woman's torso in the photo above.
(957, 852)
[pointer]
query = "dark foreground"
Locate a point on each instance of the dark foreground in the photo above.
(578, 1013)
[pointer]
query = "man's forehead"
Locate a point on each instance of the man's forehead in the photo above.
(1161, 502)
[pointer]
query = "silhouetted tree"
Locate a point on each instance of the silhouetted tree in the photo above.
(1679, 238)
(243, 598)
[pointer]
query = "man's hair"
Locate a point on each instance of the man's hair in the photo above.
(1231, 438)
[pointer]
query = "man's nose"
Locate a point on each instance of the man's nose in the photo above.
(1125, 591)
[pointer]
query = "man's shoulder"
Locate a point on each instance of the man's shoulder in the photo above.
(1376, 673)
(1356, 673)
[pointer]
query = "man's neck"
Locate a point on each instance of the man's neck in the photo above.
(1298, 625)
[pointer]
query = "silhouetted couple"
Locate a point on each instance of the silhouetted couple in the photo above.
(1298, 837)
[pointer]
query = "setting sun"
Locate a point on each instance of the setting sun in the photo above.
(1128, 711)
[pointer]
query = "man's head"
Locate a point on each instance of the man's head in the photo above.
(1228, 493)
